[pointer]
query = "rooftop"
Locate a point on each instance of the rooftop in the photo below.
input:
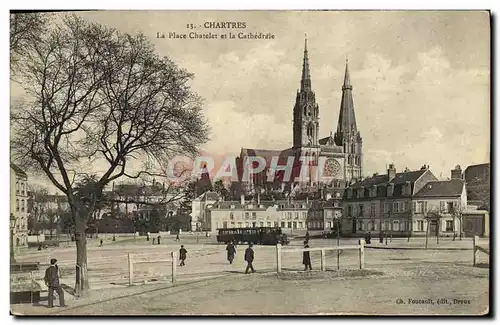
(449, 188)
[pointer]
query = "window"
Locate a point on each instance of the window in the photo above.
(17, 204)
(247, 215)
(321, 224)
(282, 225)
(361, 210)
(231, 216)
(232, 224)
(407, 206)
(420, 225)
(224, 225)
(395, 225)
(254, 215)
(276, 223)
(269, 223)
(240, 224)
(232, 206)
(372, 210)
(449, 225)
(282, 206)
(395, 206)
(328, 225)
(402, 225)
(304, 215)
(296, 215)
(22, 205)
(247, 224)
(360, 225)
(289, 225)
(349, 210)
(262, 223)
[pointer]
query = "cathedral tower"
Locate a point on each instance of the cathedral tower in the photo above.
(305, 111)
(347, 134)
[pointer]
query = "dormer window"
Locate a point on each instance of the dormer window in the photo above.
(250, 206)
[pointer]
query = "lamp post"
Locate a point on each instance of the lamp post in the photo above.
(12, 227)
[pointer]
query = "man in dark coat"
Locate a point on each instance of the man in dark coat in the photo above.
(307, 236)
(306, 258)
(52, 281)
(182, 255)
(368, 238)
(231, 251)
(249, 258)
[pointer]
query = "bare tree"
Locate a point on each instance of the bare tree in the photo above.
(25, 30)
(96, 95)
(457, 212)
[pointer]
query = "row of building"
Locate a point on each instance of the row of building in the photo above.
(407, 203)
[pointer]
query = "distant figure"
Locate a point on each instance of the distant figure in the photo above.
(52, 281)
(154, 240)
(177, 237)
(368, 238)
(381, 237)
(182, 255)
(114, 238)
(40, 247)
(249, 256)
(306, 258)
(147, 237)
(101, 243)
(159, 237)
(307, 236)
(231, 251)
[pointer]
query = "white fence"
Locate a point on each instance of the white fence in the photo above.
(132, 260)
(360, 247)
(476, 248)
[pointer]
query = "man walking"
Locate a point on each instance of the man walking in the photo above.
(306, 258)
(231, 251)
(52, 281)
(249, 255)
(182, 255)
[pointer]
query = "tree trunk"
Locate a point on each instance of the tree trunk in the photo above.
(460, 228)
(81, 280)
(427, 233)
(437, 230)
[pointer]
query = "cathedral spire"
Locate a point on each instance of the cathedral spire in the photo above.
(305, 83)
(347, 79)
(347, 118)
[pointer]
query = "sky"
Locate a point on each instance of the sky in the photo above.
(421, 79)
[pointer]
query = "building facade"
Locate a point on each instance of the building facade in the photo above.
(289, 215)
(410, 203)
(19, 205)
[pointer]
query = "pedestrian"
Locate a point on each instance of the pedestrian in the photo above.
(307, 236)
(231, 251)
(381, 237)
(154, 239)
(101, 243)
(249, 256)
(159, 237)
(368, 238)
(177, 237)
(52, 281)
(306, 258)
(182, 255)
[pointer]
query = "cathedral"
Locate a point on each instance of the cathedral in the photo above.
(342, 150)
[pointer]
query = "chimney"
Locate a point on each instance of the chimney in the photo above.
(242, 198)
(391, 171)
(456, 173)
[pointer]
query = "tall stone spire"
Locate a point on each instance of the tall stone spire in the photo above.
(305, 82)
(347, 117)
(347, 135)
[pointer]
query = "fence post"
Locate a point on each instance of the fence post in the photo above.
(174, 266)
(475, 241)
(130, 269)
(361, 254)
(323, 260)
(278, 258)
